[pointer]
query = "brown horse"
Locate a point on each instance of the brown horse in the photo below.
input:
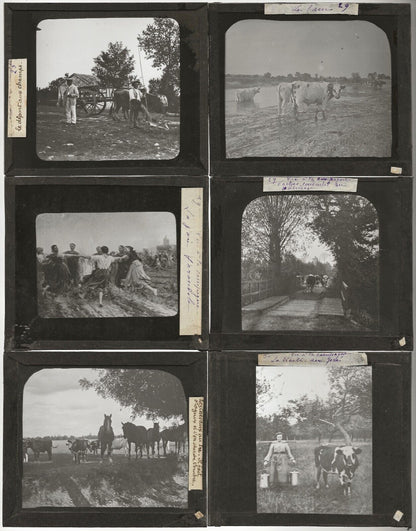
(135, 434)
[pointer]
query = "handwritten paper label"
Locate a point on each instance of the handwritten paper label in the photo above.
(336, 8)
(402, 341)
(309, 184)
(17, 98)
(190, 305)
(313, 358)
(196, 441)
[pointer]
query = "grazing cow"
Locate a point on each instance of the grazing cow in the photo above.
(39, 446)
(341, 460)
(78, 448)
(284, 97)
(246, 95)
(315, 92)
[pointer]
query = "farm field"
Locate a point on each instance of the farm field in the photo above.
(117, 302)
(102, 138)
(357, 125)
(154, 482)
(305, 498)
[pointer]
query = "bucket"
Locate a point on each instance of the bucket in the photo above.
(294, 478)
(264, 481)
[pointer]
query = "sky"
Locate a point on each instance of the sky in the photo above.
(306, 246)
(289, 383)
(55, 404)
(327, 48)
(70, 45)
(88, 230)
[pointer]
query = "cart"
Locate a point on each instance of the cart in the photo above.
(93, 100)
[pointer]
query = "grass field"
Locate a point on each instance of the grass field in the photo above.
(154, 482)
(102, 138)
(117, 302)
(357, 125)
(305, 498)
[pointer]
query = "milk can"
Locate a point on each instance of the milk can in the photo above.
(294, 478)
(264, 481)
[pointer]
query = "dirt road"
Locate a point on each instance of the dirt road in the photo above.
(102, 138)
(357, 125)
(155, 482)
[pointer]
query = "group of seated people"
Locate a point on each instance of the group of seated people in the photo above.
(59, 272)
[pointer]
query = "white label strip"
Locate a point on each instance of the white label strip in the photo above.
(309, 184)
(398, 515)
(190, 304)
(17, 98)
(336, 8)
(395, 170)
(196, 442)
(313, 359)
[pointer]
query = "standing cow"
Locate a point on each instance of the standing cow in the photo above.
(317, 93)
(39, 446)
(246, 95)
(78, 448)
(341, 460)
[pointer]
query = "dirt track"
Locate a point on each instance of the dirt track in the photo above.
(143, 483)
(357, 125)
(102, 138)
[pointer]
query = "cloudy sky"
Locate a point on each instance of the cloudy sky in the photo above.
(55, 404)
(88, 230)
(289, 383)
(327, 48)
(70, 45)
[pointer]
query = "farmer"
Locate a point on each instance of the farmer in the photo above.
(70, 101)
(278, 458)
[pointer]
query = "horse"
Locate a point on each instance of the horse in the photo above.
(135, 434)
(153, 436)
(176, 434)
(106, 437)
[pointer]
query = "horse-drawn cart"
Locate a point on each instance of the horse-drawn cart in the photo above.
(92, 99)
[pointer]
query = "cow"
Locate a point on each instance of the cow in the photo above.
(284, 97)
(341, 460)
(315, 92)
(310, 283)
(78, 448)
(246, 95)
(39, 446)
(94, 447)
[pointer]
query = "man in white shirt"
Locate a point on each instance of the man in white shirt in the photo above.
(70, 102)
(137, 102)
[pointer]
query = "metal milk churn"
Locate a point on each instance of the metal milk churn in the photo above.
(264, 481)
(294, 478)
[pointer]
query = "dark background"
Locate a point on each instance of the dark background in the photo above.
(232, 436)
(189, 367)
(393, 19)
(21, 21)
(26, 198)
(392, 199)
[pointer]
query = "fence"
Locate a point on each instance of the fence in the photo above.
(256, 290)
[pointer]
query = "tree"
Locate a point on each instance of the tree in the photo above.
(160, 43)
(114, 66)
(269, 224)
(147, 392)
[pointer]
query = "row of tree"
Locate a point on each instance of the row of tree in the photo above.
(348, 407)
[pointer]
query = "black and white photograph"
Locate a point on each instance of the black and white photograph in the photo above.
(314, 439)
(108, 89)
(307, 89)
(116, 264)
(104, 438)
(310, 263)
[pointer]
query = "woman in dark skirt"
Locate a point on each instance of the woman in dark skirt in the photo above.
(57, 275)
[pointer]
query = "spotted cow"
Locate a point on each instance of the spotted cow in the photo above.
(340, 460)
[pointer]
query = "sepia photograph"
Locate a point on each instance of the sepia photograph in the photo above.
(115, 264)
(314, 439)
(104, 438)
(307, 89)
(310, 263)
(108, 89)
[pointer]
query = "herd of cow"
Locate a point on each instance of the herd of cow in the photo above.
(141, 437)
(310, 281)
(298, 94)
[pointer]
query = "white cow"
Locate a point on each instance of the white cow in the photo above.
(315, 92)
(246, 95)
(284, 96)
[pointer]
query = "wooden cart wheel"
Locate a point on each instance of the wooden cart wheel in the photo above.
(91, 101)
